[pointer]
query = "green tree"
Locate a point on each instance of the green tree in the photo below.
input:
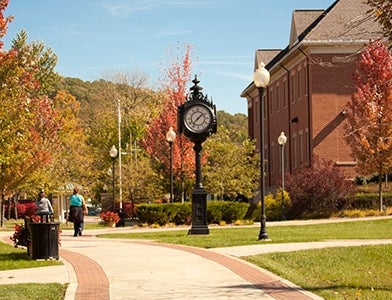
(231, 170)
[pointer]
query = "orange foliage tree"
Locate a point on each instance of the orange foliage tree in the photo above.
(29, 125)
(176, 77)
(369, 128)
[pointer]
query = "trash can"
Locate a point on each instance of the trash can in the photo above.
(44, 240)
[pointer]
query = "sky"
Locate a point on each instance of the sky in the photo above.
(94, 38)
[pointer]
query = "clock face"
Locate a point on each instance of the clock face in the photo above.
(198, 118)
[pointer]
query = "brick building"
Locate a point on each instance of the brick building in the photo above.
(311, 82)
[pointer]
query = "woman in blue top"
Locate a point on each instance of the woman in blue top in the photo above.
(76, 211)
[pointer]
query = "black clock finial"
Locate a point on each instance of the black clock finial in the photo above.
(196, 93)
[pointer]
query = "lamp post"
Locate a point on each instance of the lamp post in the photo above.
(170, 137)
(261, 79)
(282, 139)
(113, 154)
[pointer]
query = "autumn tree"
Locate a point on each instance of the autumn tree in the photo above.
(176, 77)
(29, 123)
(369, 128)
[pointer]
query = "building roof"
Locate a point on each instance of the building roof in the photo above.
(265, 56)
(345, 21)
(301, 20)
(350, 21)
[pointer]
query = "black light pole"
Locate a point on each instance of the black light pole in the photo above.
(113, 154)
(282, 139)
(261, 79)
(170, 137)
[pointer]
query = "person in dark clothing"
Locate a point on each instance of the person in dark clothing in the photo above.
(77, 210)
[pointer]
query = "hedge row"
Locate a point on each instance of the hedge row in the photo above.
(229, 212)
(179, 214)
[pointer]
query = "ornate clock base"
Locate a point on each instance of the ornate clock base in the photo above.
(199, 213)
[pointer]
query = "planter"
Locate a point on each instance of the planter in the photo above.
(111, 224)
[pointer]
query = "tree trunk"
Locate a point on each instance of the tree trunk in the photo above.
(380, 191)
(16, 200)
(2, 210)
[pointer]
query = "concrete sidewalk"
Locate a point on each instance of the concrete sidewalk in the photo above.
(138, 269)
(98, 268)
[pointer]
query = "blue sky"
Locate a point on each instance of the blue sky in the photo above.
(95, 37)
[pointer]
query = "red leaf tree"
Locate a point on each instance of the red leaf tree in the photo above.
(177, 74)
(29, 125)
(369, 128)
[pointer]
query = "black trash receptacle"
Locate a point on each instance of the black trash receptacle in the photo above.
(44, 240)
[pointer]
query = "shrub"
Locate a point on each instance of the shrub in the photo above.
(151, 214)
(183, 214)
(369, 200)
(233, 211)
(215, 212)
(25, 208)
(317, 190)
(227, 211)
(273, 206)
(109, 217)
(179, 214)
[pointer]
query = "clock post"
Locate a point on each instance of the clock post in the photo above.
(197, 120)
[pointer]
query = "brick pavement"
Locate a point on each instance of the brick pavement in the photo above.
(270, 284)
(93, 283)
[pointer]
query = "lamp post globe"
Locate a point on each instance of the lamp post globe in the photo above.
(113, 154)
(261, 78)
(282, 139)
(170, 137)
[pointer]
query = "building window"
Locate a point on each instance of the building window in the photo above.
(301, 148)
(285, 93)
(299, 84)
(307, 150)
(305, 80)
(293, 87)
(295, 151)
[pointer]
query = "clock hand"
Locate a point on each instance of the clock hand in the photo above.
(197, 119)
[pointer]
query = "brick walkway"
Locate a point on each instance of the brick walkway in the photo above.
(262, 280)
(93, 283)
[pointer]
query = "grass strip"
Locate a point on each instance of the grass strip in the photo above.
(33, 291)
(237, 236)
(335, 273)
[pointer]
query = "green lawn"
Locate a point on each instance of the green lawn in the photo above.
(335, 273)
(33, 291)
(236, 236)
(17, 258)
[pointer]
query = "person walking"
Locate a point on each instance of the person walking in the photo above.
(77, 209)
(44, 207)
